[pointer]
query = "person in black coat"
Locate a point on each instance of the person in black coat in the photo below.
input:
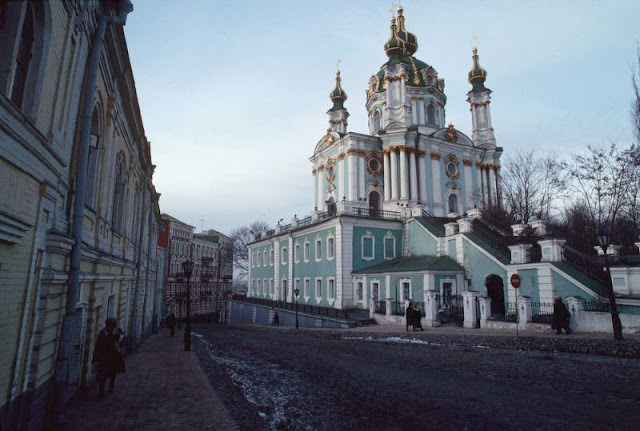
(106, 355)
(410, 316)
(560, 316)
(170, 321)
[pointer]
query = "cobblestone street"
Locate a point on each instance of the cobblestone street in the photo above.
(372, 378)
(355, 380)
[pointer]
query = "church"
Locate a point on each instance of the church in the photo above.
(398, 212)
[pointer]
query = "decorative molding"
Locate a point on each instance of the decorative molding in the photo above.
(12, 230)
(435, 156)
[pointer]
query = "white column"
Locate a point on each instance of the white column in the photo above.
(362, 190)
(492, 185)
(414, 111)
(320, 201)
(387, 177)
(468, 185)
(404, 174)
(352, 176)
(394, 174)
(422, 171)
(340, 192)
(414, 175)
(315, 189)
(438, 209)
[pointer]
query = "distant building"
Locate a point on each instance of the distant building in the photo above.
(211, 280)
(78, 209)
(398, 213)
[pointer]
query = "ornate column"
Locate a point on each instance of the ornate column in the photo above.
(492, 184)
(414, 110)
(413, 172)
(468, 184)
(422, 171)
(351, 154)
(394, 173)
(387, 176)
(438, 209)
(404, 174)
(319, 177)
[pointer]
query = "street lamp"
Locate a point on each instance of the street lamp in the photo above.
(187, 266)
(604, 239)
(296, 292)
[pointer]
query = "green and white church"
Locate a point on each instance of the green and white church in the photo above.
(397, 212)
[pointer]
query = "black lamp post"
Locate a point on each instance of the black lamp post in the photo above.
(187, 266)
(296, 292)
(604, 240)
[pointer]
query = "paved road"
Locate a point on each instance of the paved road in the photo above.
(282, 379)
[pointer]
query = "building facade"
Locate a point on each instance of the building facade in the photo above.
(211, 279)
(398, 212)
(78, 209)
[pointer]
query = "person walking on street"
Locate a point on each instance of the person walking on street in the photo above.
(170, 321)
(107, 356)
(561, 316)
(417, 319)
(276, 319)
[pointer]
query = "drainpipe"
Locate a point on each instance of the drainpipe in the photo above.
(136, 289)
(144, 302)
(68, 323)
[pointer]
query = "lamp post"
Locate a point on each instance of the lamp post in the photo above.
(604, 240)
(187, 266)
(296, 292)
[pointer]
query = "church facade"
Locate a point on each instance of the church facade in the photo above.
(397, 212)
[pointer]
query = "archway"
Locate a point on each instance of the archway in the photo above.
(495, 291)
(374, 204)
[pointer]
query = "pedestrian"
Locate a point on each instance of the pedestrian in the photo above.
(409, 316)
(170, 321)
(417, 319)
(107, 356)
(561, 316)
(276, 319)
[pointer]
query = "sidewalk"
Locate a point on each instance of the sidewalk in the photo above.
(164, 388)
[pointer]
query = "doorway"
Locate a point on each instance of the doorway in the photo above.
(495, 291)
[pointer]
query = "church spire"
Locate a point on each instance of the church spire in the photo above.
(479, 98)
(338, 113)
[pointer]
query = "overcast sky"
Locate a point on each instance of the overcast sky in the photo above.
(234, 94)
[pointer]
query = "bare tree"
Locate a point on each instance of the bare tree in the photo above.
(531, 184)
(241, 236)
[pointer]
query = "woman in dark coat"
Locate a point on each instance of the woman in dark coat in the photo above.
(560, 316)
(106, 355)
(409, 316)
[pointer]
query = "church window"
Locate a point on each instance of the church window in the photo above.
(359, 291)
(264, 257)
(375, 291)
(377, 123)
(431, 114)
(318, 289)
(119, 195)
(367, 244)
(306, 251)
(453, 203)
(307, 287)
(406, 289)
(285, 257)
(296, 253)
(389, 246)
(271, 255)
(330, 248)
(318, 249)
(331, 288)
(259, 260)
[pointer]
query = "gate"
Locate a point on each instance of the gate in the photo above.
(450, 308)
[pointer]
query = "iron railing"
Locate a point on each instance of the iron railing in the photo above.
(542, 312)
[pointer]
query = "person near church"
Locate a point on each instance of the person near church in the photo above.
(170, 321)
(410, 317)
(107, 356)
(276, 319)
(417, 319)
(561, 316)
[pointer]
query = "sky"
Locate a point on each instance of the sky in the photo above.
(234, 94)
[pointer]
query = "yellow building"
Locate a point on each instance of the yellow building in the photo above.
(78, 209)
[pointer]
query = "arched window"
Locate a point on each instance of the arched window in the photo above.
(119, 194)
(431, 114)
(377, 121)
(93, 161)
(23, 58)
(453, 203)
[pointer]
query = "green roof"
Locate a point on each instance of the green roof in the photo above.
(413, 263)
